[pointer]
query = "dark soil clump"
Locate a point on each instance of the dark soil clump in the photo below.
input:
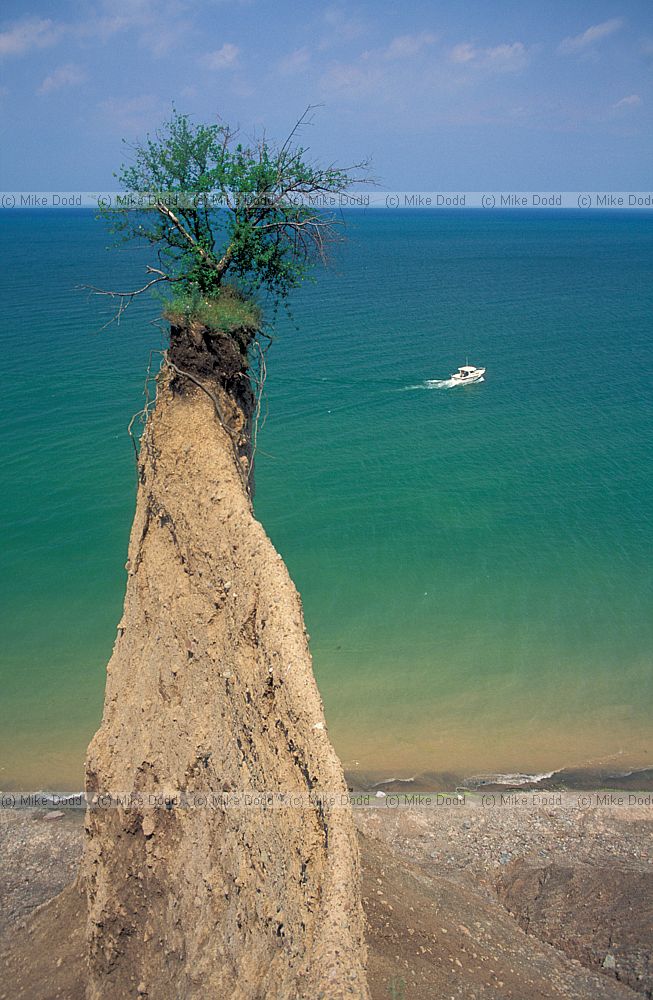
(215, 359)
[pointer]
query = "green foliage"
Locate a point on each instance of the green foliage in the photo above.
(397, 989)
(227, 312)
(213, 206)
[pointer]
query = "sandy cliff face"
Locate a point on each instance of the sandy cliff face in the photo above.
(210, 689)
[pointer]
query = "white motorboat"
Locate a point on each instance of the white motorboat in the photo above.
(467, 374)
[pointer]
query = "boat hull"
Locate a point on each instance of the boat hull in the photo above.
(477, 376)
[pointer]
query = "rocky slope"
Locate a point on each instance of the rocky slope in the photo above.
(433, 884)
(210, 689)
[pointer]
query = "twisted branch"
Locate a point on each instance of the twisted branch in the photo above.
(125, 299)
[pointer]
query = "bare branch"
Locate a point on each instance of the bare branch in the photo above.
(301, 121)
(125, 299)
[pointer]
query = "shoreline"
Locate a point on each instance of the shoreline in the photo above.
(589, 778)
(565, 779)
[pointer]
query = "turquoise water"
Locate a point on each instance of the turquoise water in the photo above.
(474, 562)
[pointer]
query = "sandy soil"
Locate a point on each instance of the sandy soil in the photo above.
(210, 689)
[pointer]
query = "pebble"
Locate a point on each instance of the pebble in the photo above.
(149, 826)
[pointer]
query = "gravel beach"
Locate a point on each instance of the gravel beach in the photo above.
(488, 901)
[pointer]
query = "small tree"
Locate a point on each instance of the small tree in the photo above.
(230, 222)
(215, 208)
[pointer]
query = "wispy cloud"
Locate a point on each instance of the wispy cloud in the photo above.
(631, 101)
(406, 68)
(647, 48)
(463, 53)
(510, 57)
(507, 58)
(342, 26)
(294, 62)
(64, 76)
(159, 25)
(379, 71)
(587, 39)
(31, 33)
(226, 57)
(352, 80)
(133, 116)
(406, 46)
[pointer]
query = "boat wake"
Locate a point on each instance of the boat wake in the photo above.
(440, 383)
(437, 383)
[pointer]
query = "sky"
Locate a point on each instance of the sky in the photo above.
(442, 96)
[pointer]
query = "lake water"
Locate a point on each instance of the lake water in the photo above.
(475, 562)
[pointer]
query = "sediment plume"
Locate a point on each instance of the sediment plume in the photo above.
(210, 690)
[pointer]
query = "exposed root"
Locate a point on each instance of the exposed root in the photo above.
(150, 402)
(245, 478)
(256, 377)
